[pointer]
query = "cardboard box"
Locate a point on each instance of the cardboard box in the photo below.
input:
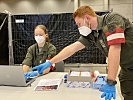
(79, 77)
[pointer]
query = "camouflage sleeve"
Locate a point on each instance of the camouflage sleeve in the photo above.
(28, 57)
(52, 51)
(114, 29)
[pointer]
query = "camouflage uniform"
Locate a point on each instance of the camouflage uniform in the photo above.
(35, 56)
(115, 29)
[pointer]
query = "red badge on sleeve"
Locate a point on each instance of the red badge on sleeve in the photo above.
(115, 37)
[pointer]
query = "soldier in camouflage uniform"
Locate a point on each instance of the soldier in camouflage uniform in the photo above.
(113, 34)
(39, 52)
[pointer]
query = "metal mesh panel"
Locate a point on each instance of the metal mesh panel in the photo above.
(62, 32)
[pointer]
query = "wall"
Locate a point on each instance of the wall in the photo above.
(124, 7)
(36, 6)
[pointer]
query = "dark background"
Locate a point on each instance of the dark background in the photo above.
(4, 39)
(62, 32)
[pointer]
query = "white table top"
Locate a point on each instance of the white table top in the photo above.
(63, 93)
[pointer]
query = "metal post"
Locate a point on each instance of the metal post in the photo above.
(106, 5)
(76, 4)
(10, 44)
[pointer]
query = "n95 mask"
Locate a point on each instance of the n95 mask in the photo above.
(84, 30)
(39, 39)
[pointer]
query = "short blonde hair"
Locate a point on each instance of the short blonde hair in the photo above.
(81, 11)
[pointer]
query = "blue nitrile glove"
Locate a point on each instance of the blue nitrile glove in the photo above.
(42, 67)
(31, 74)
(109, 91)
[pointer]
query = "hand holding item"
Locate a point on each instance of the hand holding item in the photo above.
(31, 74)
(40, 68)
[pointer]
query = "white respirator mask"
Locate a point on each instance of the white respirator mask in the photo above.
(39, 39)
(84, 30)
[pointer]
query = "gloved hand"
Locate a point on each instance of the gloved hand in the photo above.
(31, 74)
(109, 91)
(42, 67)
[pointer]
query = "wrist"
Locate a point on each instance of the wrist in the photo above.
(37, 74)
(50, 62)
(111, 82)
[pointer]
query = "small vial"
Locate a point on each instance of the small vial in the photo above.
(65, 78)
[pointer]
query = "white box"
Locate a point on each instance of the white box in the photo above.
(79, 77)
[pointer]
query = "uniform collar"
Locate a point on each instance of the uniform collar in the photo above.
(100, 22)
(44, 48)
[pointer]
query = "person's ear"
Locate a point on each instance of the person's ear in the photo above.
(46, 35)
(87, 16)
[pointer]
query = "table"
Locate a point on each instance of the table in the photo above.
(63, 93)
